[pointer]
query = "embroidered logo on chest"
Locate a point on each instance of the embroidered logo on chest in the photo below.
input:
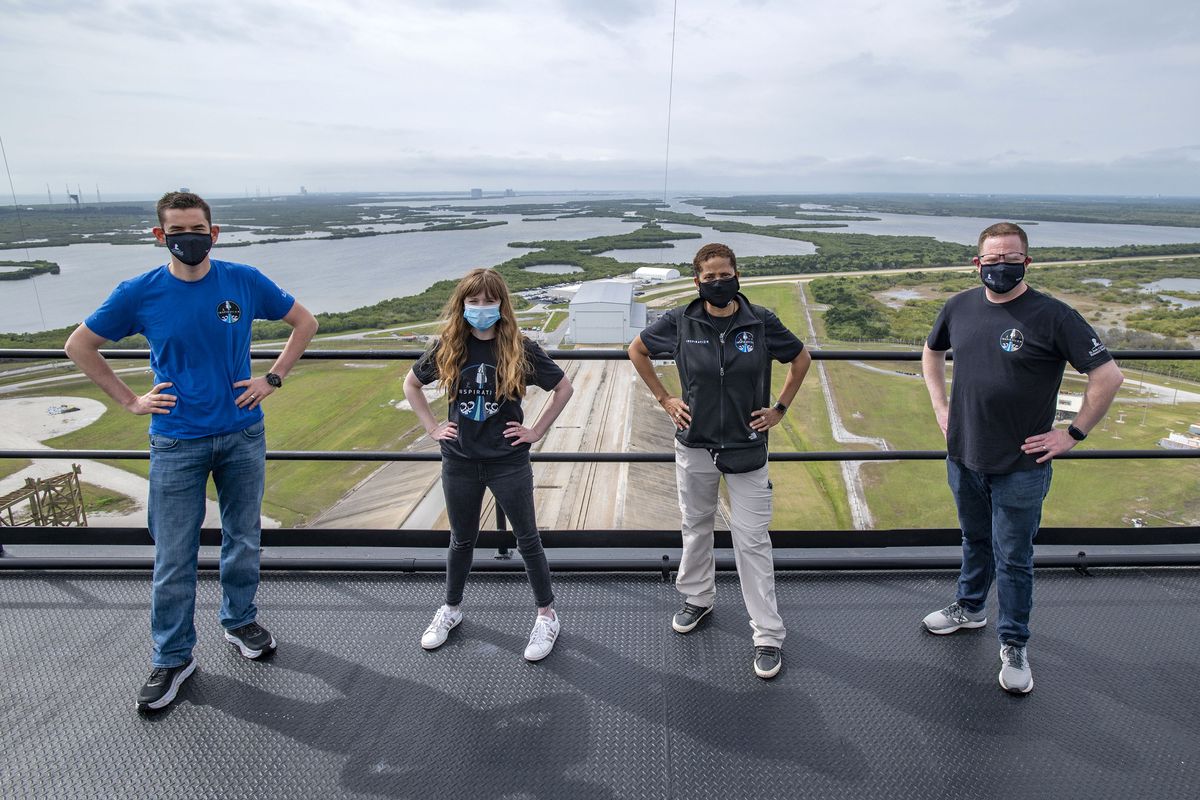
(744, 342)
(1011, 340)
(228, 311)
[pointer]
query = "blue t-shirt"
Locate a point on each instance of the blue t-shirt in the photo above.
(199, 334)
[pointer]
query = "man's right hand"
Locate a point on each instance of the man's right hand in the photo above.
(152, 402)
(943, 420)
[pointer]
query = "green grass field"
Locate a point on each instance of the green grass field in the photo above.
(323, 406)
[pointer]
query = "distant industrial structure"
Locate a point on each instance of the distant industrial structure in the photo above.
(604, 312)
(477, 194)
(656, 274)
(1182, 441)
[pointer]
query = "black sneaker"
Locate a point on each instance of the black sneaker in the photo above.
(252, 639)
(767, 661)
(162, 686)
(689, 617)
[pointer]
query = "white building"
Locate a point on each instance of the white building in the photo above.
(1068, 406)
(656, 274)
(604, 312)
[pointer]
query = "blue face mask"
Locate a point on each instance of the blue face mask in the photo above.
(482, 317)
(190, 248)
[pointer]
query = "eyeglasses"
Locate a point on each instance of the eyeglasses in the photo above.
(1007, 258)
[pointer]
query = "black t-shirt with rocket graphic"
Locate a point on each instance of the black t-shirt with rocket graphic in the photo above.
(481, 417)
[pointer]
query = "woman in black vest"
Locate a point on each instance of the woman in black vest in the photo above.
(723, 347)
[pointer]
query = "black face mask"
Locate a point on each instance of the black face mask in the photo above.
(1002, 278)
(719, 293)
(190, 248)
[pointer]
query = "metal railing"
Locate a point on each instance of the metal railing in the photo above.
(578, 540)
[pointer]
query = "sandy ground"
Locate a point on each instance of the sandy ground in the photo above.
(26, 424)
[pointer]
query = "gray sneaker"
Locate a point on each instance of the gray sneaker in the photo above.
(1015, 675)
(688, 617)
(767, 661)
(953, 617)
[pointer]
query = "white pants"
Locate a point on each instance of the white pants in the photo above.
(750, 500)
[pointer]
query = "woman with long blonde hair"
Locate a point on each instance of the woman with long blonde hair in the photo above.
(483, 362)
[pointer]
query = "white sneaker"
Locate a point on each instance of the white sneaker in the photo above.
(1015, 674)
(445, 620)
(952, 618)
(542, 637)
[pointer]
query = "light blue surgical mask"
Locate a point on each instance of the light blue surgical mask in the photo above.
(482, 317)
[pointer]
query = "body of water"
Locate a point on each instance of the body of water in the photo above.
(338, 275)
(965, 230)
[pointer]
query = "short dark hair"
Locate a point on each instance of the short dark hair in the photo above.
(714, 250)
(1003, 229)
(181, 200)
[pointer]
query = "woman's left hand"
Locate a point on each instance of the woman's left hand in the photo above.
(520, 434)
(765, 418)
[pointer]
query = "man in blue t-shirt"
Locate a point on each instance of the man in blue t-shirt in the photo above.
(206, 418)
(1011, 344)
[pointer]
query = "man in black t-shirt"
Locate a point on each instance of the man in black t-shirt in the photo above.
(1011, 344)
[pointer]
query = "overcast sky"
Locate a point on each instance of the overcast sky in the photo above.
(1038, 96)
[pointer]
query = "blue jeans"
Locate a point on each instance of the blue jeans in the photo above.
(511, 484)
(179, 470)
(999, 516)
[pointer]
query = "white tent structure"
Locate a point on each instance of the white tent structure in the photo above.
(656, 274)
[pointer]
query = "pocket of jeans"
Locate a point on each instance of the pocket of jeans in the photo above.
(160, 442)
(255, 431)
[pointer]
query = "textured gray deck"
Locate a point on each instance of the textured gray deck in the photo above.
(867, 706)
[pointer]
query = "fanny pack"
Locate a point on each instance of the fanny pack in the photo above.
(743, 459)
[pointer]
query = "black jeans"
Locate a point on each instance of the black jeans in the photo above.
(511, 484)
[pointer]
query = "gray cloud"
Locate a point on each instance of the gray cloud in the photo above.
(932, 95)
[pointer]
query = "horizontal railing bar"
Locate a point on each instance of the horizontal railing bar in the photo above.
(578, 355)
(600, 458)
(666, 564)
(602, 538)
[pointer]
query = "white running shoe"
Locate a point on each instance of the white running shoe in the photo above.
(445, 620)
(952, 618)
(1015, 675)
(542, 637)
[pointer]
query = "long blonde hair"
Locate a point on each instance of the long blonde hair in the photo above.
(511, 362)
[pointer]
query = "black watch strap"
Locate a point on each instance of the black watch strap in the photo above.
(1075, 433)
(274, 380)
(780, 407)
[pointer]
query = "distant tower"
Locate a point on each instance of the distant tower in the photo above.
(98, 201)
(49, 199)
(72, 198)
(476, 194)
(303, 190)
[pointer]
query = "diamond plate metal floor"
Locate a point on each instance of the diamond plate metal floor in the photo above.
(867, 705)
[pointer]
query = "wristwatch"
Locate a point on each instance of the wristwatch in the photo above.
(780, 407)
(274, 380)
(1075, 433)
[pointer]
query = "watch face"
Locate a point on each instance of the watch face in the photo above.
(274, 380)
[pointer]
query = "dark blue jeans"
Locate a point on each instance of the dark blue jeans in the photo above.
(179, 470)
(511, 484)
(999, 516)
